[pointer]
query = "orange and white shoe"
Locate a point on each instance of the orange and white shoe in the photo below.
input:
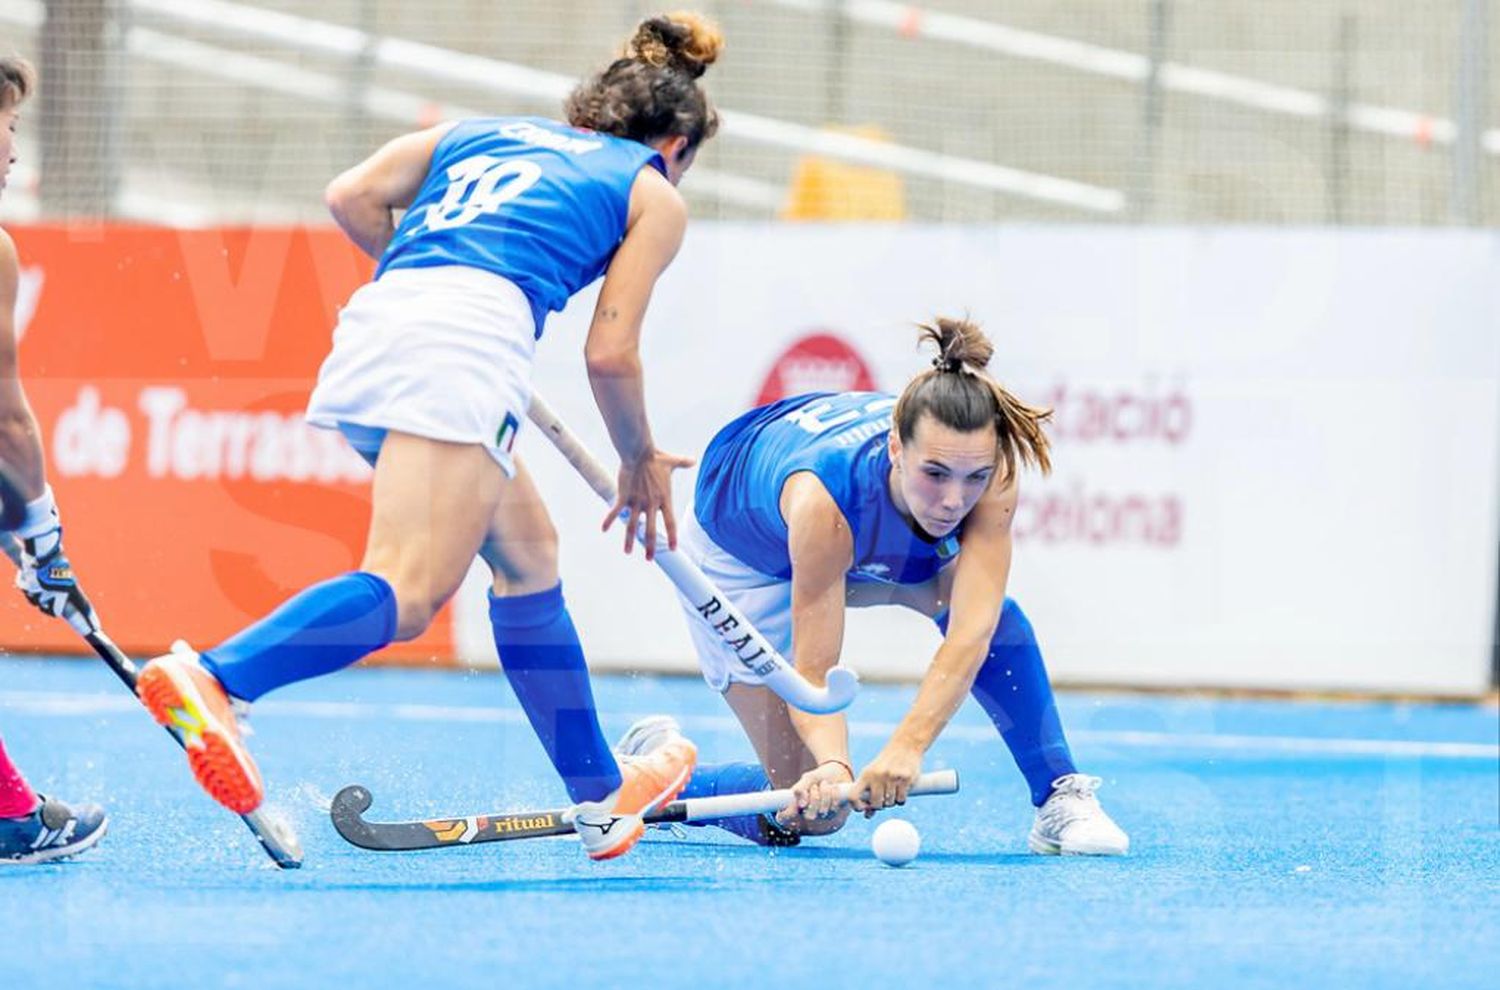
(612, 826)
(190, 701)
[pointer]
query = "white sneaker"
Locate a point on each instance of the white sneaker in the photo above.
(1073, 823)
(647, 734)
(654, 770)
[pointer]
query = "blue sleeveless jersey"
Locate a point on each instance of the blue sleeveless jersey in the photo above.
(839, 436)
(536, 201)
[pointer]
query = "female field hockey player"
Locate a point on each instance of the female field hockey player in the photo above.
(812, 504)
(33, 828)
(430, 379)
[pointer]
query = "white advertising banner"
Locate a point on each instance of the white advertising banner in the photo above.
(1275, 450)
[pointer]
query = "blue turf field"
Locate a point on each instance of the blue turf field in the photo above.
(1275, 845)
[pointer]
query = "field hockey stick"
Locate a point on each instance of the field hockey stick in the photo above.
(350, 804)
(275, 837)
(714, 610)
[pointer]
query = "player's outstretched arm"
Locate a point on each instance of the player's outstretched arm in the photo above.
(657, 220)
(978, 596)
(43, 571)
(821, 549)
(363, 199)
(20, 441)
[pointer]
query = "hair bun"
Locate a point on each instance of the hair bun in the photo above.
(17, 80)
(960, 344)
(685, 41)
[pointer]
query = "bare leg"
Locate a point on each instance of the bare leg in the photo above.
(433, 504)
(521, 543)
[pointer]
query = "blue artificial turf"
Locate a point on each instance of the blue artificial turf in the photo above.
(1274, 844)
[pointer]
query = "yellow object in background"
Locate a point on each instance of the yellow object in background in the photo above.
(825, 189)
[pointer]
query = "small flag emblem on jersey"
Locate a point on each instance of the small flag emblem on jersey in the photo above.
(947, 547)
(506, 438)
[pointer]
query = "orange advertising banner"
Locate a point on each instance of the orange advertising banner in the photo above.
(169, 370)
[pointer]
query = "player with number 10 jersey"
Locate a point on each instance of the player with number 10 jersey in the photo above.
(532, 200)
(430, 379)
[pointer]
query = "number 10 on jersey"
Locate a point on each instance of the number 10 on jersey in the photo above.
(479, 185)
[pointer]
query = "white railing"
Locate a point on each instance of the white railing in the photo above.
(385, 103)
(972, 32)
(240, 22)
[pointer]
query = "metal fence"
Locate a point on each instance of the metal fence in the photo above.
(1174, 111)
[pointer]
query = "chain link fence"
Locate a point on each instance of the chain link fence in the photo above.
(1375, 112)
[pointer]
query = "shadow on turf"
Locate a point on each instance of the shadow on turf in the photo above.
(607, 883)
(815, 853)
(497, 885)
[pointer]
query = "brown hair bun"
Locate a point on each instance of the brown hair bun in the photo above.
(17, 80)
(960, 344)
(683, 40)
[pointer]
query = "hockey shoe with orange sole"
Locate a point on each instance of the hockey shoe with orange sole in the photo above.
(612, 826)
(192, 703)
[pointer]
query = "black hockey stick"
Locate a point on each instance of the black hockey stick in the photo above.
(350, 804)
(275, 837)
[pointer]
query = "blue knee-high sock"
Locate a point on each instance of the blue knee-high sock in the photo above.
(318, 630)
(542, 658)
(1013, 689)
(713, 779)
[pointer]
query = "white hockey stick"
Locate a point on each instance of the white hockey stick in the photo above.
(770, 802)
(714, 610)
